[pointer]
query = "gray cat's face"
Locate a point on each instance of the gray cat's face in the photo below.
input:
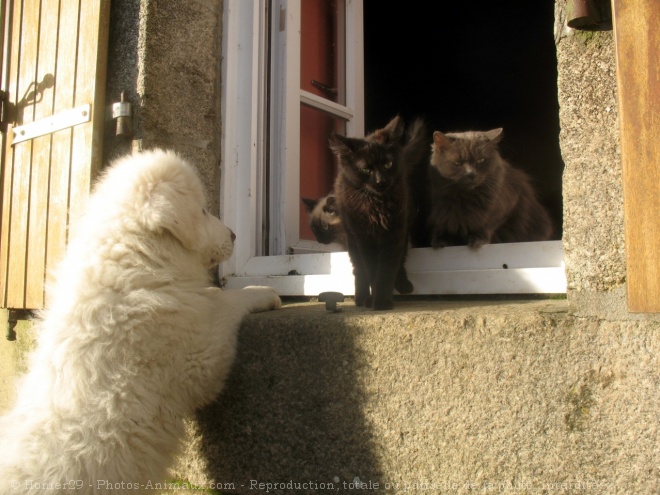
(467, 158)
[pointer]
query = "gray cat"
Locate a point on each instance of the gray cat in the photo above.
(477, 197)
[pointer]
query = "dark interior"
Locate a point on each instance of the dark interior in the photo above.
(473, 65)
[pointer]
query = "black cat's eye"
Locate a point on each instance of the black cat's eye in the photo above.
(365, 171)
(481, 160)
(388, 165)
(458, 164)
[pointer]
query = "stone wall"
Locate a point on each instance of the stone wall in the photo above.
(165, 54)
(453, 398)
(592, 184)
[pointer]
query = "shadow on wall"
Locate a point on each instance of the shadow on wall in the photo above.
(291, 412)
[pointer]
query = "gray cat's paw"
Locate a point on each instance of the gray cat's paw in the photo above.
(440, 242)
(475, 241)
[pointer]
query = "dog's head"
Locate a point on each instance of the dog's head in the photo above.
(163, 194)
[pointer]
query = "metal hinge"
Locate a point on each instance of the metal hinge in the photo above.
(12, 319)
(7, 111)
(54, 123)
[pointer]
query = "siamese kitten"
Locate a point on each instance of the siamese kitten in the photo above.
(372, 192)
(478, 197)
(324, 219)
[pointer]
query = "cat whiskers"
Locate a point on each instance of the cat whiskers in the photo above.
(490, 182)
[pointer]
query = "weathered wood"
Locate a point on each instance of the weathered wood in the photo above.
(61, 144)
(41, 156)
(6, 171)
(24, 51)
(57, 60)
(638, 79)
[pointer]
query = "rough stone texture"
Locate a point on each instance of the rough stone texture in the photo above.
(166, 55)
(455, 397)
(592, 186)
(468, 397)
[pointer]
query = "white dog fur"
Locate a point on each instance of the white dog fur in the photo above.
(134, 339)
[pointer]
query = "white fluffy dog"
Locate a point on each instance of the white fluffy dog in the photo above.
(134, 339)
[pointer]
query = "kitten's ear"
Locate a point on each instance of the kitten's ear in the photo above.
(309, 204)
(494, 135)
(344, 146)
(330, 204)
(391, 133)
(440, 141)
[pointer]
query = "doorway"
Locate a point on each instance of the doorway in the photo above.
(473, 65)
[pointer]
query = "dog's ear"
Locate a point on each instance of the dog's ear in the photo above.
(168, 208)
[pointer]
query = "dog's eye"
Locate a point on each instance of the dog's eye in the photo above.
(204, 211)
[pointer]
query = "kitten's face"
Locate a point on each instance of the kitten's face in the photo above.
(324, 219)
(371, 164)
(468, 158)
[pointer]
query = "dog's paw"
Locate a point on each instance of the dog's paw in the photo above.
(261, 298)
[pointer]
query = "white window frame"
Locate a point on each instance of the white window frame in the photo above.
(248, 113)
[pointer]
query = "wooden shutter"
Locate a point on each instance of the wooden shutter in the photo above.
(637, 34)
(55, 62)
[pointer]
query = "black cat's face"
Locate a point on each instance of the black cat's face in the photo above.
(324, 220)
(371, 164)
(468, 158)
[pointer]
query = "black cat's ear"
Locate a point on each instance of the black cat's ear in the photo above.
(391, 133)
(494, 135)
(309, 204)
(440, 141)
(344, 146)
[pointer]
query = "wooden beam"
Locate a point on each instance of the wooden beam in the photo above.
(638, 80)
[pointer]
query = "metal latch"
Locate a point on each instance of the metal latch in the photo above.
(122, 112)
(331, 299)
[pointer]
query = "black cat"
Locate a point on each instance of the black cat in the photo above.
(373, 197)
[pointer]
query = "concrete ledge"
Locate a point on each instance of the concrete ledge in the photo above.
(446, 397)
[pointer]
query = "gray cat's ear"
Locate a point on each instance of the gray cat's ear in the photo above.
(440, 140)
(344, 146)
(494, 135)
